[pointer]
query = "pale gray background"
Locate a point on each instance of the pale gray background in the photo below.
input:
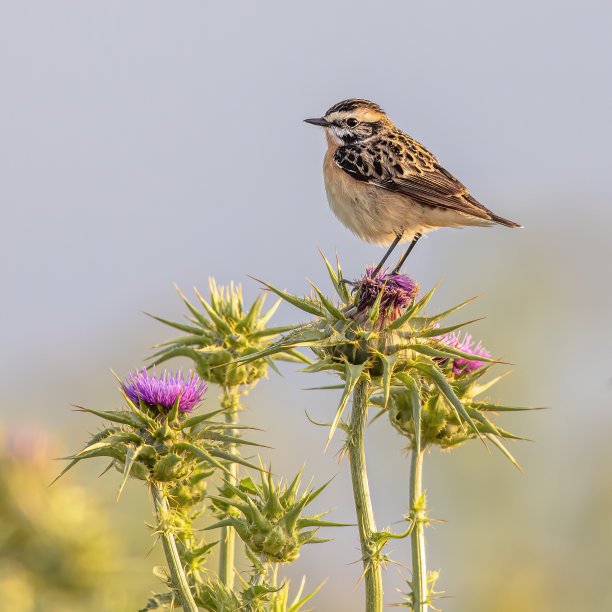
(147, 143)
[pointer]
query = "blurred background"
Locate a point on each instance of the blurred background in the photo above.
(149, 143)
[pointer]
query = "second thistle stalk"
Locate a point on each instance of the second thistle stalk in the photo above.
(229, 400)
(417, 538)
(417, 510)
(361, 492)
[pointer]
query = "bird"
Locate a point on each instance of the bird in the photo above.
(385, 186)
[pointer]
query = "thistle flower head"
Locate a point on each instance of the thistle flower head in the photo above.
(162, 392)
(398, 292)
(465, 344)
(156, 439)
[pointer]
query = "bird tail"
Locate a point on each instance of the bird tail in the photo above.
(503, 221)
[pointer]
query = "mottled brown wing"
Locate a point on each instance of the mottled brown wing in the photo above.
(402, 165)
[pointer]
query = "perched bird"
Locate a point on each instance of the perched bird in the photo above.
(385, 186)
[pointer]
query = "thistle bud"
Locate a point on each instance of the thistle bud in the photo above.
(449, 414)
(221, 333)
(268, 517)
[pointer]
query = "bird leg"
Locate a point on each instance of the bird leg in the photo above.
(405, 256)
(398, 237)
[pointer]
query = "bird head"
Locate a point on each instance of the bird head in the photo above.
(352, 121)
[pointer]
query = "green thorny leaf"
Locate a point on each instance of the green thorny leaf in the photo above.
(268, 516)
(222, 332)
(352, 374)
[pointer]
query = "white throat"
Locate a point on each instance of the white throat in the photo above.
(337, 134)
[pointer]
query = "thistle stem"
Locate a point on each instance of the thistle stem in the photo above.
(417, 538)
(417, 507)
(361, 493)
(179, 581)
(228, 535)
(260, 575)
(258, 578)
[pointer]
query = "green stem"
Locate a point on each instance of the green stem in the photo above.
(229, 400)
(260, 575)
(417, 508)
(361, 493)
(179, 581)
(417, 538)
(258, 578)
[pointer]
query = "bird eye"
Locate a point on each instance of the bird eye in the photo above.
(351, 122)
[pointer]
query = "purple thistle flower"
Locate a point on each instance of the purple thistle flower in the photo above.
(398, 292)
(464, 366)
(163, 391)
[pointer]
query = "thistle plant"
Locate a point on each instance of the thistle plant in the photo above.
(388, 354)
(375, 336)
(155, 439)
(223, 330)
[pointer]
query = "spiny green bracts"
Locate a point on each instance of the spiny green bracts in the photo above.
(271, 524)
(441, 422)
(161, 444)
(266, 597)
(354, 341)
(214, 596)
(224, 331)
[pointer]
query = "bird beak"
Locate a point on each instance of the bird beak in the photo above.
(321, 121)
